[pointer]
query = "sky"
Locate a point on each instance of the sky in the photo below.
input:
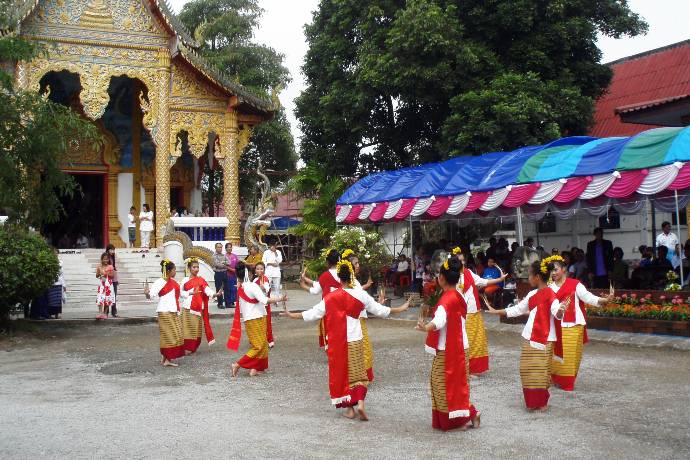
(282, 28)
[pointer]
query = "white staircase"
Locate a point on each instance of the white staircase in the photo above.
(132, 268)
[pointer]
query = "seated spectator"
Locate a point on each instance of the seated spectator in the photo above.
(645, 256)
(661, 261)
(390, 274)
(479, 263)
(402, 269)
(567, 258)
(555, 252)
(619, 274)
(428, 276)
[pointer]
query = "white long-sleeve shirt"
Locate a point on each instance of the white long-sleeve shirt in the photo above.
(441, 321)
(271, 257)
(470, 300)
(522, 308)
(253, 310)
(354, 327)
(186, 296)
(166, 303)
(316, 286)
(581, 295)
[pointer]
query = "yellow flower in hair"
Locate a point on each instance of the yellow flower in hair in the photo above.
(445, 264)
(345, 262)
(347, 253)
(456, 251)
(325, 252)
(547, 260)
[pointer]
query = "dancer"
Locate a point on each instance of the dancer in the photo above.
(105, 296)
(251, 304)
(327, 283)
(196, 292)
(341, 310)
(469, 285)
(167, 292)
(450, 390)
(265, 284)
(571, 331)
(539, 333)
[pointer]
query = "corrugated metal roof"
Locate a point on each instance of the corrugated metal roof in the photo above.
(654, 75)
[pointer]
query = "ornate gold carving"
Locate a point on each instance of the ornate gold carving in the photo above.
(96, 15)
(20, 76)
(198, 126)
(231, 193)
(161, 136)
(114, 224)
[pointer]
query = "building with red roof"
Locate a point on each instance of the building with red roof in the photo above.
(647, 90)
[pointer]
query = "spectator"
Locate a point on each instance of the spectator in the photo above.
(492, 272)
(272, 259)
(567, 258)
(555, 252)
(480, 263)
(670, 241)
(619, 273)
(529, 242)
(418, 269)
(110, 250)
(599, 260)
(253, 258)
(661, 262)
(146, 226)
(645, 256)
(131, 227)
(579, 268)
(402, 268)
(220, 273)
(82, 242)
(491, 251)
(64, 242)
(428, 275)
(230, 292)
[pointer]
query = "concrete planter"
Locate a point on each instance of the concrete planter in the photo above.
(645, 326)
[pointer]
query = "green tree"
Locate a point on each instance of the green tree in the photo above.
(392, 83)
(225, 30)
(35, 137)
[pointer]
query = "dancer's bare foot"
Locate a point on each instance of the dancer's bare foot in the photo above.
(187, 352)
(540, 409)
(253, 373)
(463, 427)
(349, 413)
(168, 363)
(235, 369)
(162, 359)
(477, 420)
(360, 410)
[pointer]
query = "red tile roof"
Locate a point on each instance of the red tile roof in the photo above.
(642, 79)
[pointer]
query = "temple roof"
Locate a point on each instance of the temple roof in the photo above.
(186, 46)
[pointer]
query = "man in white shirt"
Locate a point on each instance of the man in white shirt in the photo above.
(272, 259)
(670, 240)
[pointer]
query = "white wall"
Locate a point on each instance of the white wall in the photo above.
(125, 182)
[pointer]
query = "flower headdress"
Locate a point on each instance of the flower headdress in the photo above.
(446, 266)
(457, 250)
(189, 261)
(164, 267)
(346, 263)
(325, 252)
(547, 260)
(347, 253)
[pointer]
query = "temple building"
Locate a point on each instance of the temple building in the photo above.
(132, 68)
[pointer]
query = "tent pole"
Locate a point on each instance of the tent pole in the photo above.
(411, 244)
(680, 254)
(520, 236)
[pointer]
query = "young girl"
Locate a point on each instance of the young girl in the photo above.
(167, 292)
(110, 250)
(450, 390)
(341, 310)
(539, 333)
(131, 227)
(571, 332)
(251, 305)
(265, 284)
(195, 293)
(106, 292)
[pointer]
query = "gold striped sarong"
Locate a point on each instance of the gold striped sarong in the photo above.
(438, 380)
(356, 368)
(535, 366)
(368, 351)
(257, 355)
(565, 373)
(191, 326)
(171, 342)
(479, 345)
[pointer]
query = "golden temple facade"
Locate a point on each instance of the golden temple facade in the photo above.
(131, 67)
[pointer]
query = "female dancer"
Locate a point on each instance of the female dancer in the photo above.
(450, 390)
(571, 332)
(341, 310)
(196, 292)
(251, 304)
(469, 285)
(539, 333)
(105, 296)
(167, 292)
(328, 282)
(265, 284)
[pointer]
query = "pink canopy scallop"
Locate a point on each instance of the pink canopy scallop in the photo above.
(354, 214)
(405, 209)
(572, 189)
(521, 195)
(476, 201)
(627, 184)
(682, 179)
(440, 206)
(378, 212)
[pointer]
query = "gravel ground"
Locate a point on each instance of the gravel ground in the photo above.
(97, 391)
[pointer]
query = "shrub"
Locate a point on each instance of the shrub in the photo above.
(28, 266)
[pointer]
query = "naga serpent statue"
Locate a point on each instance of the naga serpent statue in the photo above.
(258, 221)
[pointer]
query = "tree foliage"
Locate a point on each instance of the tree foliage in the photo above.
(226, 30)
(35, 137)
(393, 83)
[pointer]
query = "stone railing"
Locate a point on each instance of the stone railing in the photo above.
(202, 228)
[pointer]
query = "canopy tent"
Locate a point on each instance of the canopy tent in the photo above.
(560, 177)
(281, 225)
